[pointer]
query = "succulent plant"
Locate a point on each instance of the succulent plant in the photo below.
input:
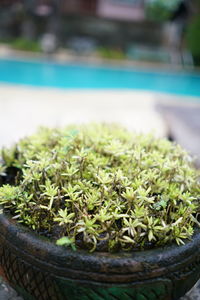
(100, 187)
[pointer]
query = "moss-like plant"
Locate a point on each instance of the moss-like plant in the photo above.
(101, 188)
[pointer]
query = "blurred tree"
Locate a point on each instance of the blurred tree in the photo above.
(193, 38)
(161, 10)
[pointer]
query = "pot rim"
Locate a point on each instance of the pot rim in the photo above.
(115, 267)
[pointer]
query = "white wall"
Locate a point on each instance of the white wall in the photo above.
(115, 10)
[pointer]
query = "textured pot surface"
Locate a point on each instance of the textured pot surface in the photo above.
(40, 270)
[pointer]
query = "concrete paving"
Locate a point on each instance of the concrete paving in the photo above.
(183, 126)
(194, 293)
(7, 293)
(23, 109)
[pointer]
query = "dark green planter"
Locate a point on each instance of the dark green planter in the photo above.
(40, 270)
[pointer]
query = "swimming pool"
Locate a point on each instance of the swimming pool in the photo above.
(82, 76)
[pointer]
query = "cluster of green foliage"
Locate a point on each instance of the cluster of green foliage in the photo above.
(102, 188)
(193, 38)
(25, 45)
(111, 53)
(160, 10)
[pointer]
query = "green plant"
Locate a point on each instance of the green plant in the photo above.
(193, 37)
(160, 10)
(111, 53)
(102, 188)
(26, 45)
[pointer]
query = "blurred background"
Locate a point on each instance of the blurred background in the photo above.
(134, 62)
(150, 30)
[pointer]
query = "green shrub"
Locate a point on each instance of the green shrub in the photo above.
(25, 45)
(101, 188)
(160, 10)
(111, 53)
(193, 38)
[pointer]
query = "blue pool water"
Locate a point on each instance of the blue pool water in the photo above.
(81, 76)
